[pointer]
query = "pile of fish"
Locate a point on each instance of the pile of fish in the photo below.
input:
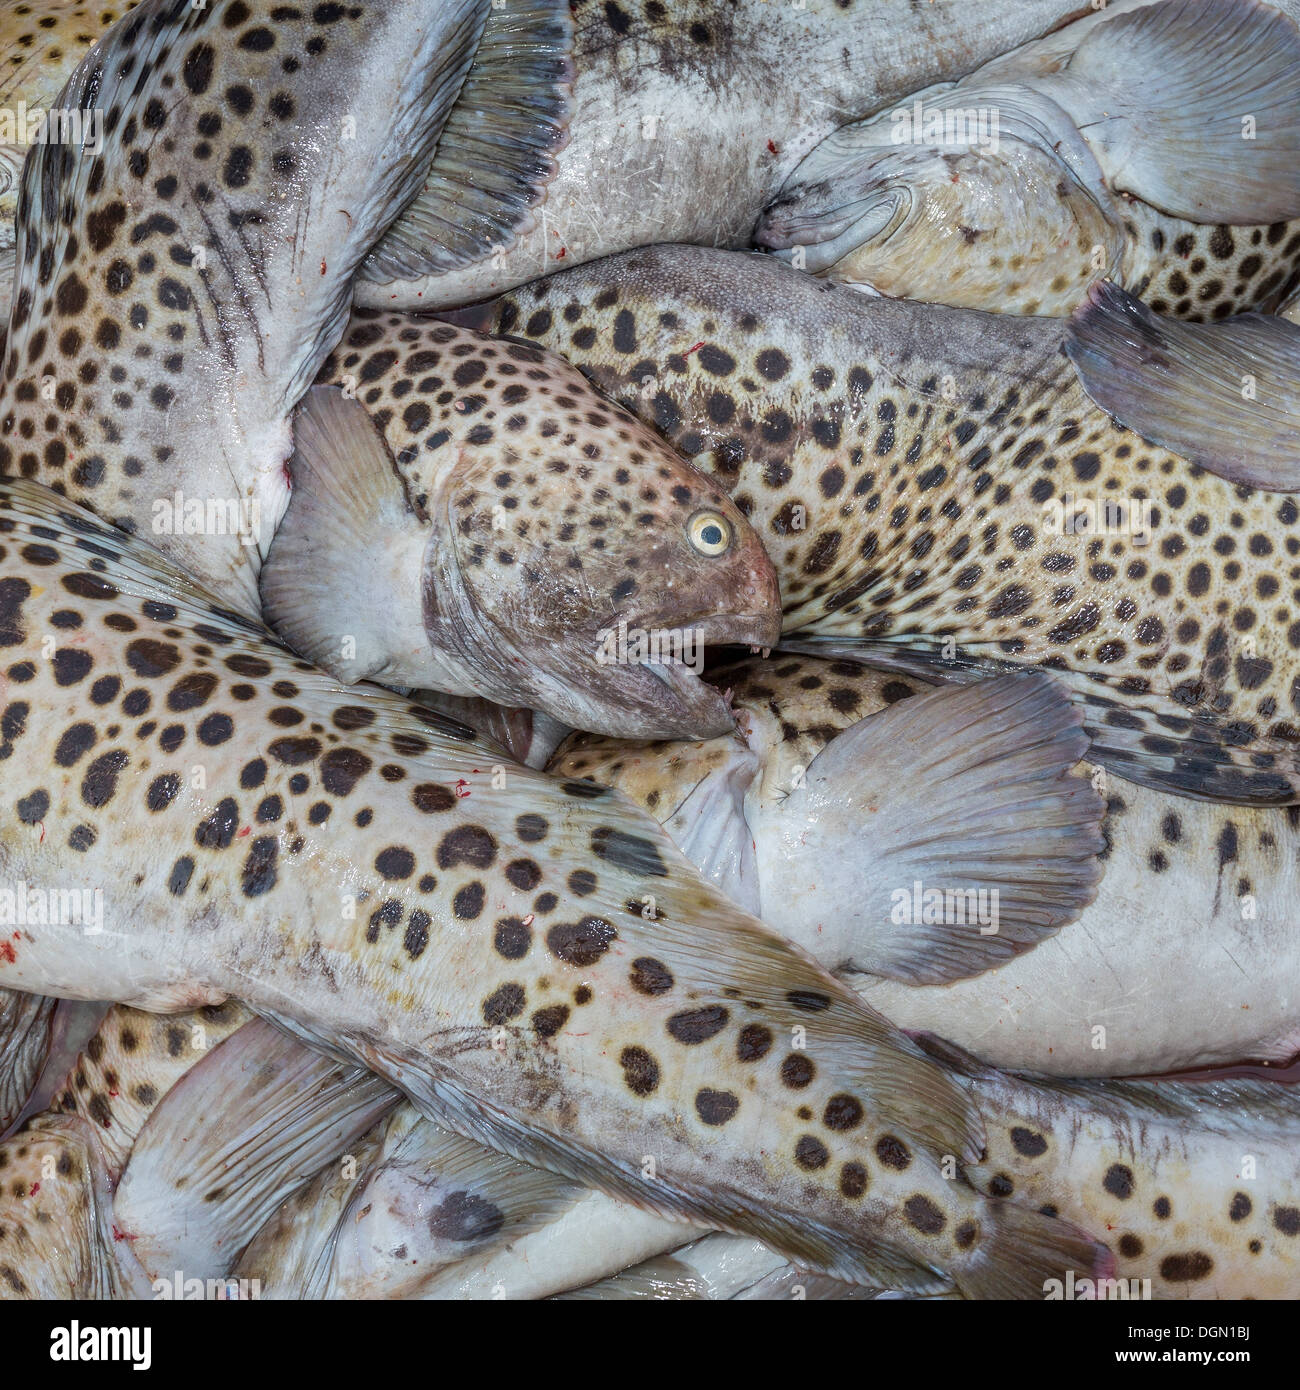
(649, 650)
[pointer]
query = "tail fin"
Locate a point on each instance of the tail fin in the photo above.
(1028, 1252)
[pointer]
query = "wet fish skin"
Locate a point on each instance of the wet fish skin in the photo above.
(494, 525)
(1184, 959)
(197, 289)
(669, 103)
(26, 1025)
(1197, 1184)
(298, 880)
(897, 459)
(1018, 217)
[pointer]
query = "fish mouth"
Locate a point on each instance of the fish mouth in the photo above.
(666, 697)
(828, 235)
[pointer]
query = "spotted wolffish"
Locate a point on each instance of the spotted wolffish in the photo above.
(1017, 187)
(182, 275)
(684, 123)
(493, 524)
(937, 481)
(41, 42)
(1186, 957)
(1196, 1185)
(529, 959)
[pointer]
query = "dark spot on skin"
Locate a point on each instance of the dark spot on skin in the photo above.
(922, 1214)
(630, 852)
(640, 1070)
(503, 1004)
(698, 1025)
(1027, 1142)
(548, 1021)
(810, 1153)
(470, 845)
(797, 1071)
(842, 1112)
(429, 797)
(100, 782)
(716, 1107)
(1287, 1220)
(1118, 1181)
(754, 1042)
(893, 1153)
(581, 943)
(808, 1000)
(1185, 1269)
(1130, 1246)
(853, 1180)
(259, 874)
(395, 863)
(1161, 1206)
(1241, 1207)
(650, 976)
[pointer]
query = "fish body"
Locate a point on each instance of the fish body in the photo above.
(495, 524)
(1196, 1184)
(1184, 958)
(161, 334)
(1005, 191)
(534, 964)
(935, 480)
(684, 122)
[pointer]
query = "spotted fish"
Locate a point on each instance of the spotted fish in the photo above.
(57, 1174)
(683, 124)
(493, 524)
(1017, 187)
(809, 816)
(1196, 1184)
(939, 483)
(40, 45)
(182, 277)
(1186, 957)
(530, 960)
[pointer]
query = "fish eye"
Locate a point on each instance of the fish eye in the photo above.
(709, 533)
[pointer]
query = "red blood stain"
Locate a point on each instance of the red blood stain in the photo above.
(322, 265)
(696, 348)
(559, 255)
(247, 830)
(462, 788)
(771, 148)
(34, 1189)
(7, 953)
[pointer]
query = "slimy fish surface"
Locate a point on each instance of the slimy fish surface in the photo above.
(41, 42)
(162, 331)
(938, 482)
(682, 122)
(1196, 1185)
(1186, 956)
(531, 961)
(1109, 149)
(491, 521)
(39, 1039)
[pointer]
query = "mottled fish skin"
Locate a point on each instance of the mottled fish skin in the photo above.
(1195, 1184)
(40, 45)
(685, 120)
(495, 964)
(918, 445)
(1186, 958)
(161, 333)
(58, 1238)
(532, 519)
(1021, 228)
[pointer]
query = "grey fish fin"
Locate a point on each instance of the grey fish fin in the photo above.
(788, 1283)
(497, 151)
(1161, 93)
(1180, 385)
(1026, 1250)
(349, 504)
(954, 1057)
(1001, 818)
(665, 1279)
(74, 1023)
(1146, 737)
(259, 1115)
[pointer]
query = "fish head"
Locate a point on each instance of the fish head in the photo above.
(581, 566)
(1000, 223)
